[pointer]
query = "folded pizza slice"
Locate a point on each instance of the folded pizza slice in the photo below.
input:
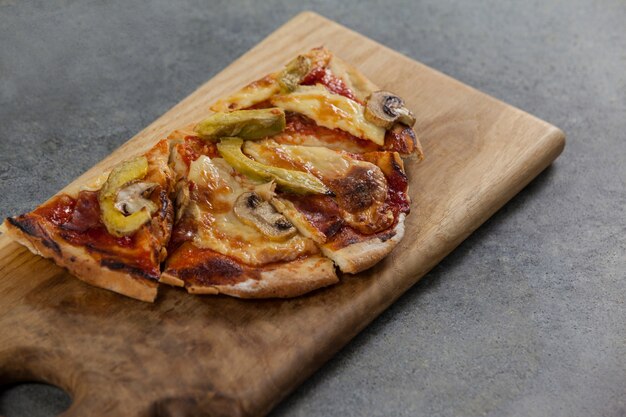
(112, 235)
(327, 103)
(227, 237)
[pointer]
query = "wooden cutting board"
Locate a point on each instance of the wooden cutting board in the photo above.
(217, 356)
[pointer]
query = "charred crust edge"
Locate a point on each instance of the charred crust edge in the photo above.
(114, 265)
(32, 228)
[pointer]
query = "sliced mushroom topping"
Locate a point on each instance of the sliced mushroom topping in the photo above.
(252, 210)
(384, 109)
(134, 197)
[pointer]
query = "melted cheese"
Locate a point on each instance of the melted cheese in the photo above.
(252, 94)
(299, 220)
(360, 187)
(326, 164)
(219, 228)
(328, 139)
(331, 110)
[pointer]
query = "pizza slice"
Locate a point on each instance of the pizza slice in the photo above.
(321, 116)
(112, 236)
(328, 103)
(362, 218)
(228, 238)
(293, 175)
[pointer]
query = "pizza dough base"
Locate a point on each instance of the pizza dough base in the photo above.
(81, 264)
(360, 256)
(286, 280)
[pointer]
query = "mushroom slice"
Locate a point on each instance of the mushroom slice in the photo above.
(252, 210)
(132, 198)
(384, 109)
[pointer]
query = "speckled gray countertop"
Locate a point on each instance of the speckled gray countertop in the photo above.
(526, 318)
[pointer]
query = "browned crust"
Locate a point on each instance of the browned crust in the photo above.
(41, 240)
(289, 279)
(170, 279)
(360, 256)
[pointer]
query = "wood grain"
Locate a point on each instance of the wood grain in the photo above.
(217, 356)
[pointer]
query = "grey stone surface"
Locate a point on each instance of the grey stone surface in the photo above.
(526, 318)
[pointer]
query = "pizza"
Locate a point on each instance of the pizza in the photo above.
(112, 235)
(290, 182)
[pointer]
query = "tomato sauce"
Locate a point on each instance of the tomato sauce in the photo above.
(323, 75)
(59, 211)
(320, 210)
(63, 211)
(195, 146)
(298, 123)
(397, 198)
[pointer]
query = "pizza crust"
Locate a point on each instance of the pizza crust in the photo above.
(360, 256)
(289, 279)
(281, 280)
(80, 263)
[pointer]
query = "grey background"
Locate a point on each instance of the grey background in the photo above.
(526, 318)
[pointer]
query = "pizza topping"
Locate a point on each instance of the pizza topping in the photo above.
(134, 198)
(360, 188)
(324, 76)
(318, 216)
(266, 190)
(245, 124)
(252, 210)
(182, 198)
(86, 214)
(293, 74)
(401, 138)
(124, 173)
(302, 130)
(356, 184)
(330, 110)
(254, 93)
(81, 226)
(384, 109)
(59, 211)
(209, 186)
(203, 172)
(116, 222)
(289, 180)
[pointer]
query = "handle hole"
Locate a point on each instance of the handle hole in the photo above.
(33, 399)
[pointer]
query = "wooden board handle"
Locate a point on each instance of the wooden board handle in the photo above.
(94, 394)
